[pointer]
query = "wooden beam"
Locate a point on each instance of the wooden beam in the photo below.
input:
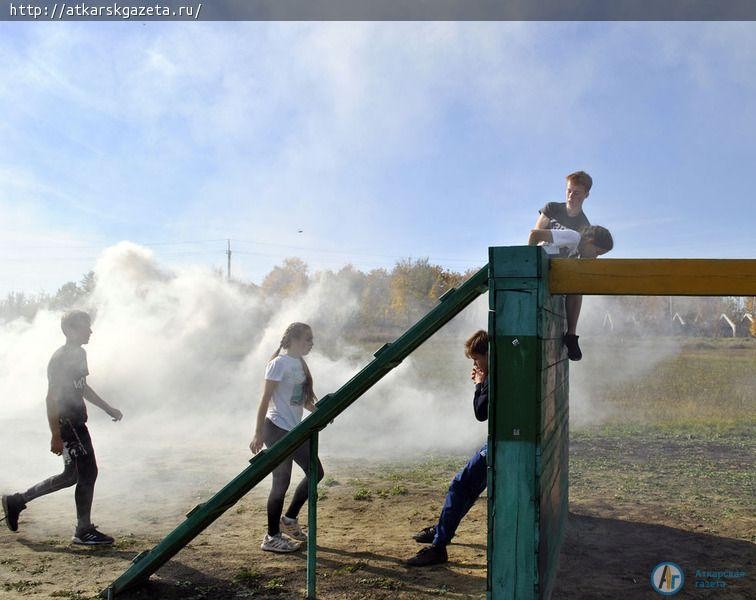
(653, 277)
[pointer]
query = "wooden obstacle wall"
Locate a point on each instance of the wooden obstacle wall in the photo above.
(528, 420)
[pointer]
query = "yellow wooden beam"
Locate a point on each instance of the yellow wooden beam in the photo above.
(653, 277)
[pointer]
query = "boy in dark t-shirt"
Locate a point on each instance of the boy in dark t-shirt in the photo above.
(569, 215)
(67, 416)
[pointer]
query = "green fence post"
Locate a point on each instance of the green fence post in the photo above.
(312, 517)
(527, 426)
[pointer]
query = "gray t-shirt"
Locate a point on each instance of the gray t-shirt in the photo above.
(559, 219)
(66, 377)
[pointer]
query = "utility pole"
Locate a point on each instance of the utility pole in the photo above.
(228, 253)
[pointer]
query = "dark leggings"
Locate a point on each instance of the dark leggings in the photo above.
(79, 467)
(282, 478)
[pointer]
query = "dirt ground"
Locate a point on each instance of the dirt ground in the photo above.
(624, 519)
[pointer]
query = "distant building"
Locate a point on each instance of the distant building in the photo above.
(744, 326)
(679, 326)
(725, 326)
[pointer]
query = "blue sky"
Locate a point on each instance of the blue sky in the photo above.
(379, 141)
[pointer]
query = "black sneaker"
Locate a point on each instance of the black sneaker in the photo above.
(425, 536)
(430, 555)
(573, 350)
(89, 536)
(12, 507)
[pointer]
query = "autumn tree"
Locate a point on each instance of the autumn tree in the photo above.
(411, 288)
(287, 280)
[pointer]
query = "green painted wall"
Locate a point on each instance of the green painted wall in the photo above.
(528, 420)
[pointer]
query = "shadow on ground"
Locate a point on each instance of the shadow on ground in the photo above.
(609, 558)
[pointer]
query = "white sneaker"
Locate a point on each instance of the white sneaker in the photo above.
(291, 528)
(279, 543)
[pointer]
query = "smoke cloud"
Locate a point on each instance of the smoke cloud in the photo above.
(609, 361)
(182, 354)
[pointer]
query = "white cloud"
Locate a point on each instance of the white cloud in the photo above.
(362, 134)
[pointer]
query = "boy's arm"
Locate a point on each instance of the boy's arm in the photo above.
(540, 235)
(480, 401)
(542, 222)
(257, 440)
(91, 396)
(53, 416)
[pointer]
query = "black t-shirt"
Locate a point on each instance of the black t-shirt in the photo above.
(66, 376)
(559, 219)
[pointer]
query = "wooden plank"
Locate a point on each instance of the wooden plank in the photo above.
(553, 376)
(528, 425)
(551, 448)
(554, 303)
(558, 412)
(553, 351)
(654, 277)
(552, 404)
(551, 325)
(553, 456)
(512, 567)
(515, 261)
(553, 492)
(520, 309)
(552, 535)
(517, 414)
(515, 283)
(514, 422)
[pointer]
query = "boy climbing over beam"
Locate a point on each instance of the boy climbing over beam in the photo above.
(569, 215)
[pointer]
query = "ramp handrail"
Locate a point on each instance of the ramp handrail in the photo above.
(328, 408)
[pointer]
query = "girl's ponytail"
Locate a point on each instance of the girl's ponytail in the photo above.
(308, 395)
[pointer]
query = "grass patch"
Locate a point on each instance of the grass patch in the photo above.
(247, 577)
(688, 475)
(694, 385)
(351, 568)
(399, 490)
(383, 583)
(363, 494)
(275, 584)
(23, 585)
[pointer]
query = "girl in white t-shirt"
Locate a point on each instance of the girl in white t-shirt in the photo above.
(288, 390)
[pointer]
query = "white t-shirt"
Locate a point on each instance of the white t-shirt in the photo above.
(562, 238)
(285, 410)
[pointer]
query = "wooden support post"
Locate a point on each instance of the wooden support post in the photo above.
(528, 432)
(312, 517)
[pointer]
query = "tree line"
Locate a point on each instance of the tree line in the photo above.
(390, 300)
